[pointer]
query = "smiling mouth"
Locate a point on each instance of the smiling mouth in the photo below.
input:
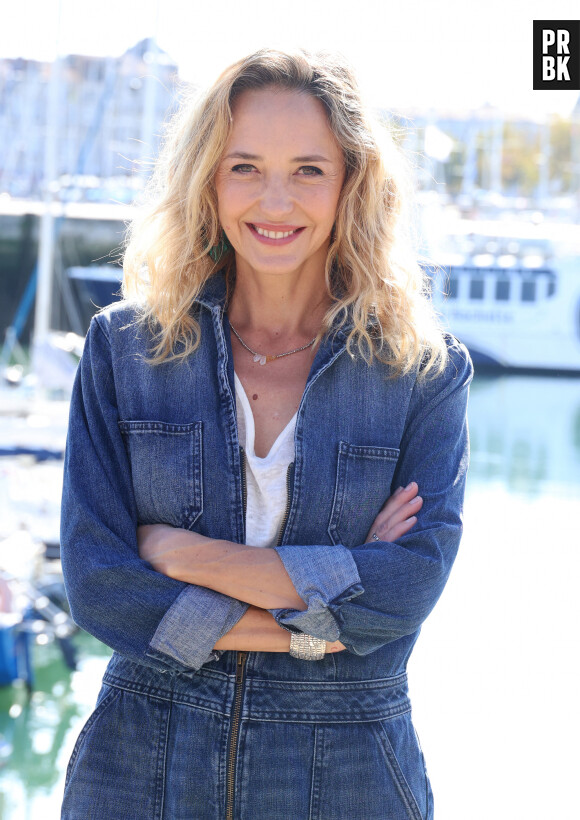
(269, 234)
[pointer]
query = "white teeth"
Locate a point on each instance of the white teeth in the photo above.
(273, 234)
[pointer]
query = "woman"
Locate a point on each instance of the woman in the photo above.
(276, 376)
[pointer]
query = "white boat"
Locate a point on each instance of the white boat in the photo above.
(514, 300)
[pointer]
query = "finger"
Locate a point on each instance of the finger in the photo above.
(335, 646)
(410, 491)
(401, 496)
(397, 514)
(395, 508)
(385, 525)
(394, 532)
(401, 529)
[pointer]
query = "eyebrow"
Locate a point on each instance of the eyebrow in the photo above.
(256, 157)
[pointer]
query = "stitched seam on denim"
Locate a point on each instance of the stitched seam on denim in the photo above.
(196, 509)
(298, 439)
(223, 764)
(339, 490)
(161, 764)
(241, 753)
(128, 426)
(343, 708)
(230, 419)
(198, 703)
(369, 451)
(315, 780)
(109, 698)
(115, 677)
(325, 719)
(351, 686)
(403, 787)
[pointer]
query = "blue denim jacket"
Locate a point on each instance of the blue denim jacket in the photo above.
(151, 444)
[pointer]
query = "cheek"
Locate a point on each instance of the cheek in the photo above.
(231, 204)
(326, 207)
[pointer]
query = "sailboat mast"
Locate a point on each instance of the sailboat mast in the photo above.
(46, 239)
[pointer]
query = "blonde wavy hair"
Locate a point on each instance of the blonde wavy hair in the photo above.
(176, 244)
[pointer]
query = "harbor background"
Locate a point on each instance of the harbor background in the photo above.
(494, 676)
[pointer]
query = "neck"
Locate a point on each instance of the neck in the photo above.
(289, 307)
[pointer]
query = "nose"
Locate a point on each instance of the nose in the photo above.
(276, 199)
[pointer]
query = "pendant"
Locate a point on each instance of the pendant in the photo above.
(260, 359)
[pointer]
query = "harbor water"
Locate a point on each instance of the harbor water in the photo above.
(494, 678)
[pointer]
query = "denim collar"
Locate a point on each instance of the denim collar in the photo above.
(213, 293)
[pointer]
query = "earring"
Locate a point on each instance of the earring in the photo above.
(219, 251)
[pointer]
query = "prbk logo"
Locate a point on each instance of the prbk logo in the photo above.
(557, 54)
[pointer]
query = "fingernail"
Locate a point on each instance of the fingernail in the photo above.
(409, 486)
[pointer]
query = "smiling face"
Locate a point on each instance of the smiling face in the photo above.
(279, 181)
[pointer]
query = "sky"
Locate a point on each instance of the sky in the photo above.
(444, 55)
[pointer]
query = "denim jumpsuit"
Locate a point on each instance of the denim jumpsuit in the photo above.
(181, 732)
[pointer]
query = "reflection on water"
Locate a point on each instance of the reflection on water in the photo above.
(37, 732)
(494, 675)
(525, 435)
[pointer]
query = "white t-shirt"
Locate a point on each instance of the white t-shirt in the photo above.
(265, 477)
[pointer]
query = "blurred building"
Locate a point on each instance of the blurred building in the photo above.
(486, 155)
(110, 110)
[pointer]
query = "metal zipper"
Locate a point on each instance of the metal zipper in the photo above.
(244, 484)
(241, 658)
(287, 510)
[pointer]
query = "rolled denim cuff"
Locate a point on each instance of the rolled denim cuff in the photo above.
(191, 627)
(325, 577)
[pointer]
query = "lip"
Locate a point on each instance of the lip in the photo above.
(266, 240)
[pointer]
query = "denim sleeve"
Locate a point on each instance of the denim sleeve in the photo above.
(326, 579)
(389, 588)
(113, 594)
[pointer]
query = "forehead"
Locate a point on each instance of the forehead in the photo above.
(272, 116)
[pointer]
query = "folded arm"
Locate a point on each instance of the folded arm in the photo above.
(255, 575)
(383, 589)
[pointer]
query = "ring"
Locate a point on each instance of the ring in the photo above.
(375, 537)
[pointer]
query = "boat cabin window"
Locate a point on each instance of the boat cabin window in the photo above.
(528, 291)
(476, 287)
(502, 290)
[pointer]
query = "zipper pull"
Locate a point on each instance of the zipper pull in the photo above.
(242, 656)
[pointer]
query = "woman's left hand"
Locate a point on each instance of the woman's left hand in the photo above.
(398, 515)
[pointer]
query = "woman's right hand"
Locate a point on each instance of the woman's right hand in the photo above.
(398, 515)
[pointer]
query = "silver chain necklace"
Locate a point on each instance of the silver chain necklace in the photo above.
(264, 359)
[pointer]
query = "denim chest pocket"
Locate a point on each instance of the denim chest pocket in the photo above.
(363, 484)
(166, 469)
